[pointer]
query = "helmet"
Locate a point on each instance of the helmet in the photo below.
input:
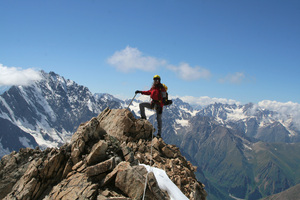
(156, 76)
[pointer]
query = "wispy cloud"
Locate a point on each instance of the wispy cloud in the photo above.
(130, 59)
(188, 73)
(17, 76)
(236, 78)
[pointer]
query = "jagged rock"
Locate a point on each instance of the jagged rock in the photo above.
(98, 153)
(77, 165)
(169, 158)
(198, 193)
(76, 186)
(167, 151)
(89, 131)
(153, 186)
(67, 169)
(101, 162)
(101, 167)
(157, 144)
(121, 124)
(40, 174)
(128, 154)
(133, 177)
(111, 176)
(131, 180)
(13, 166)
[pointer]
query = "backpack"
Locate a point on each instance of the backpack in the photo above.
(166, 101)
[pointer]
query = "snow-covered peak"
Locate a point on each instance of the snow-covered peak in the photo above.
(226, 112)
(106, 97)
(50, 109)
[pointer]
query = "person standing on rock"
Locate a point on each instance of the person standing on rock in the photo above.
(157, 93)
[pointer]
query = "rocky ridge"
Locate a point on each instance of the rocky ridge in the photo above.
(101, 162)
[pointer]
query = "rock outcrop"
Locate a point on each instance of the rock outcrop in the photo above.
(101, 162)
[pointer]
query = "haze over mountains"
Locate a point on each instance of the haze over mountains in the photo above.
(245, 151)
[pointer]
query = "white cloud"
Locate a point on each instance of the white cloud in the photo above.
(205, 100)
(236, 78)
(286, 110)
(130, 59)
(186, 72)
(17, 76)
(287, 107)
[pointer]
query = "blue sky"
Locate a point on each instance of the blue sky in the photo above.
(246, 51)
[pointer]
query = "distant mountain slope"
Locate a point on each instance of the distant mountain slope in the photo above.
(289, 194)
(277, 166)
(15, 140)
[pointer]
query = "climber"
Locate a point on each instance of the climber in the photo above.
(157, 94)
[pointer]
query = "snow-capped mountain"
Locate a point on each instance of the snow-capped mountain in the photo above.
(48, 110)
(105, 97)
(252, 120)
(255, 121)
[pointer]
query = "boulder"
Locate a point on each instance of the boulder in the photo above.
(101, 167)
(110, 177)
(131, 180)
(121, 124)
(76, 186)
(87, 132)
(167, 151)
(98, 153)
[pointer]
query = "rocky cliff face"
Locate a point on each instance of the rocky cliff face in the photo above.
(101, 162)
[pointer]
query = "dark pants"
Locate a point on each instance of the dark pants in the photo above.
(158, 110)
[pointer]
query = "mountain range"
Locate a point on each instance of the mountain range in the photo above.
(241, 151)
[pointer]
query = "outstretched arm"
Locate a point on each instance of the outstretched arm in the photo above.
(143, 92)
